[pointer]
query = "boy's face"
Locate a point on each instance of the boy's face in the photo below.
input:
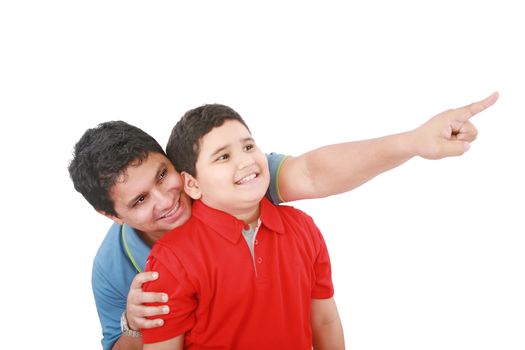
(232, 173)
(150, 197)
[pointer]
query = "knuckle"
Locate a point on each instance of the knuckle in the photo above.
(132, 299)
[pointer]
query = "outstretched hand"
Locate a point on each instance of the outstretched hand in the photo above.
(450, 132)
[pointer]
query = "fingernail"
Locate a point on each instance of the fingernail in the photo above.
(160, 323)
(466, 146)
(164, 298)
(165, 309)
(155, 275)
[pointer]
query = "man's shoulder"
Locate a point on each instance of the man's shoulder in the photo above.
(112, 269)
(108, 249)
(111, 258)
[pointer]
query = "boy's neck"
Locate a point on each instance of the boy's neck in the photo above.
(249, 217)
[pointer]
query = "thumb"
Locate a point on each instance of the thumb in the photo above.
(455, 148)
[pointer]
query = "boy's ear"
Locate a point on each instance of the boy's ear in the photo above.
(112, 217)
(191, 185)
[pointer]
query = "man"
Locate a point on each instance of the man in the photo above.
(125, 175)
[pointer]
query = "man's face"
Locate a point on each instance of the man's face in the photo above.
(150, 198)
(232, 173)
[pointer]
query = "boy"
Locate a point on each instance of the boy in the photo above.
(116, 151)
(270, 290)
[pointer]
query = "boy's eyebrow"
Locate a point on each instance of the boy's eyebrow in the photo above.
(160, 169)
(219, 150)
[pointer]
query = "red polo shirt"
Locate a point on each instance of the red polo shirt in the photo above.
(222, 297)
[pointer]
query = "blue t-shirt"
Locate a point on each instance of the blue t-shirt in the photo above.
(114, 268)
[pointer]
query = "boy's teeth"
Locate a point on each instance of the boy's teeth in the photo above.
(246, 178)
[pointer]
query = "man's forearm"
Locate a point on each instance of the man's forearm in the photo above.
(176, 343)
(128, 343)
(342, 167)
(339, 168)
(349, 165)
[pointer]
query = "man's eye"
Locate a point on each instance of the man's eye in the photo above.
(140, 200)
(248, 147)
(163, 173)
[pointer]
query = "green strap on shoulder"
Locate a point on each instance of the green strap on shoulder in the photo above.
(130, 256)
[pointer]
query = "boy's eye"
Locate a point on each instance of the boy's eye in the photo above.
(223, 157)
(163, 173)
(248, 147)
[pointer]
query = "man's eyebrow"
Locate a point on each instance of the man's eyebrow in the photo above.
(160, 169)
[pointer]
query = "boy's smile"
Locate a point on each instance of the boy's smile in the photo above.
(231, 172)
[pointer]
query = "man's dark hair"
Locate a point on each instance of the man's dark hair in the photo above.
(103, 154)
(184, 142)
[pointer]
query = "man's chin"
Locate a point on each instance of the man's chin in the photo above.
(179, 217)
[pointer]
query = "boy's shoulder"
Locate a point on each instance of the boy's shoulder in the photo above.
(297, 222)
(180, 234)
(300, 229)
(288, 212)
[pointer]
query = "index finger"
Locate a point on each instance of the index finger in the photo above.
(479, 106)
(142, 278)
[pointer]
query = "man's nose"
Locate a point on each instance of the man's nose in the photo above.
(163, 199)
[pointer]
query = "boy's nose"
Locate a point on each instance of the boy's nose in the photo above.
(245, 160)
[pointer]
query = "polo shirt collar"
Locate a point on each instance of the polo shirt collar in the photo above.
(229, 226)
(138, 248)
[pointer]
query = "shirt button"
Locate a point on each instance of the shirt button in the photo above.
(259, 260)
(256, 242)
(246, 227)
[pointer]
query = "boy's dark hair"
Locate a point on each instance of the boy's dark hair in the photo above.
(184, 142)
(103, 154)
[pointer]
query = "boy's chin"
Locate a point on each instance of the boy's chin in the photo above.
(255, 191)
(258, 195)
(252, 199)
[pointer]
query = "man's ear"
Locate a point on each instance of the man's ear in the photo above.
(112, 217)
(191, 185)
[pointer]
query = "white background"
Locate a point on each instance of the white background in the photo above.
(430, 255)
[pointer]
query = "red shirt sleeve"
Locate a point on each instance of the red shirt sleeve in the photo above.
(182, 300)
(323, 287)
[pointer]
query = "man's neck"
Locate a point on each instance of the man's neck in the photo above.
(149, 238)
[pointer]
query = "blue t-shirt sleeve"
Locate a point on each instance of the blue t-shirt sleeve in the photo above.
(111, 277)
(110, 305)
(275, 161)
